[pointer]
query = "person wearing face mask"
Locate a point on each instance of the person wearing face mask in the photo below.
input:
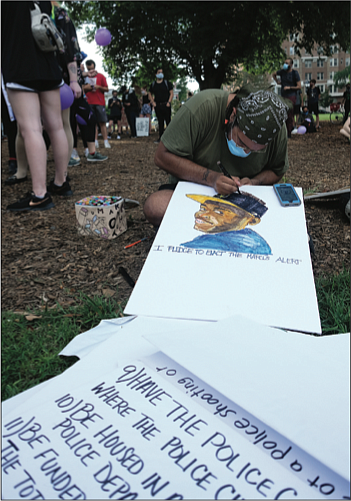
(145, 106)
(290, 83)
(161, 95)
(306, 119)
(244, 130)
(313, 94)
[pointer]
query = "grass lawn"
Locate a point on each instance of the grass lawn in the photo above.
(30, 346)
(334, 117)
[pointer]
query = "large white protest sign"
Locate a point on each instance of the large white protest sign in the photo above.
(212, 259)
(221, 426)
(134, 435)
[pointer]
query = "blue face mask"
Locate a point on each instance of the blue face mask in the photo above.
(285, 66)
(159, 75)
(236, 150)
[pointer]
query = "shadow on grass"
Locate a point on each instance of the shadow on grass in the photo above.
(30, 347)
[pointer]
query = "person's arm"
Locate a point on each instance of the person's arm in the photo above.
(187, 170)
(103, 87)
(266, 177)
(274, 75)
(170, 97)
(73, 79)
(151, 99)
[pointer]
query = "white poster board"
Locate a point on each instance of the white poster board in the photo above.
(179, 280)
(252, 415)
(142, 126)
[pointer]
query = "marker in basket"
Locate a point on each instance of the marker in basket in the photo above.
(226, 173)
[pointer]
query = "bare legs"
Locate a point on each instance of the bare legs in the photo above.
(156, 205)
(31, 109)
(52, 121)
(26, 107)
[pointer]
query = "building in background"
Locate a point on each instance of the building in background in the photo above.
(309, 66)
(317, 66)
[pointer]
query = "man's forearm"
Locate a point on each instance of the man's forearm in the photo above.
(266, 178)
(187, 170)
(183, 168)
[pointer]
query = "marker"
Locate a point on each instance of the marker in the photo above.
(226, 173)
(138, 242)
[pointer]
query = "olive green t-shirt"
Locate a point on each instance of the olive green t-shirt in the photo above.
(197, 133)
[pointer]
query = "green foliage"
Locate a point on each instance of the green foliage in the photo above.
(209, 42)
(30, 348)
(341, 78)
(325, 99)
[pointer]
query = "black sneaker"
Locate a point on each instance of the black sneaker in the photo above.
(32, 203)
(12, 166)
(14, 180)
(63, 191)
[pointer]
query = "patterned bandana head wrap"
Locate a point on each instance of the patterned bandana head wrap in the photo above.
(261, 115)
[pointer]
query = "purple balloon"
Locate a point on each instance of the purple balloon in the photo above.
(102, 36)
(67, 96)
(301, 130)
(80, 120)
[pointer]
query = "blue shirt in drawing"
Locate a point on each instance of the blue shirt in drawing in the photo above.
(245, 240)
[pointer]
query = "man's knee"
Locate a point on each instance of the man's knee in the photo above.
(156, 205)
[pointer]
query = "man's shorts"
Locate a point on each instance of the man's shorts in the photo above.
(115, 118)
(313, 108)
(100, 112)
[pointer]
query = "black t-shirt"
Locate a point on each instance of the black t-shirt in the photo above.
(161, 91)
(22, 60)
(116, 109)
(130, 97)
(313, 93)
(288, 79)
(146, 99)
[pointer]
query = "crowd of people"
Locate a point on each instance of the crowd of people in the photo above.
(35, 117)
(33, 111)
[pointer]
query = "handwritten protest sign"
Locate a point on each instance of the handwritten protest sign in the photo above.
(142, 126)
(133, 434)
(167, 396)
(215, 258)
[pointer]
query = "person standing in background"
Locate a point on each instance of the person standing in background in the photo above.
(346, 102)
(115, 108)
(95, 93)
(290, 83)
(33, 87)
(161, 95)
(146, 109)
(313, 94)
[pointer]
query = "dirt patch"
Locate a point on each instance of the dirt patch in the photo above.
(44, 260)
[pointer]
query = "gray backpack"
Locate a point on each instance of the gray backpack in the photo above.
(44, 31)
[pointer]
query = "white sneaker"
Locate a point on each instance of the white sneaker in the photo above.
(74, 154)
(118, 137)
(96, 143)
(107, 144)
(86, 153)
(294, 131)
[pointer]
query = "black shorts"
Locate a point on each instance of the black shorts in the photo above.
(36, 85)
(116, 119)
(313, 108)
(296, 109)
